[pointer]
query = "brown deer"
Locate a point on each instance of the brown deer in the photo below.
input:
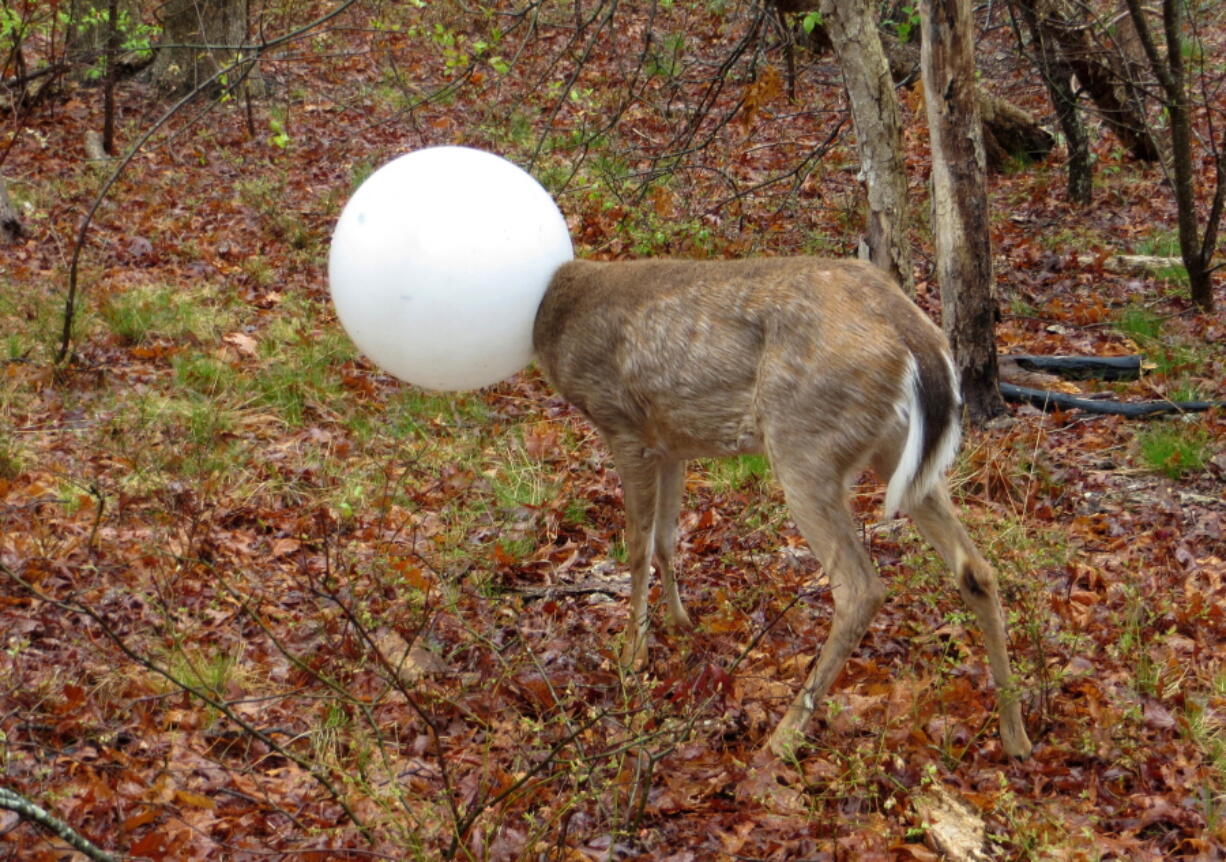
(824, 365)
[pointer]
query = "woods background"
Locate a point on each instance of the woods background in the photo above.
(258, 599)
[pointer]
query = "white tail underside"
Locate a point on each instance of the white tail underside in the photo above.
(912, 480)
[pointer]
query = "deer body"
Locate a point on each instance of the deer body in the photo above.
(823, 365)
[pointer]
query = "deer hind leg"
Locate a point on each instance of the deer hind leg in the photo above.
(818, 504)
(670, 483)
(939, 523)
(639, 475)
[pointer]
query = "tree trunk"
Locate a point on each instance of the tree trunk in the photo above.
(1009, 132)
(960, 201)
(1059, 80)
(113, 40)
(874, 109)
(1197, 252)
(199, 38)
(88, 32)
(10, 222)
(1108, 86)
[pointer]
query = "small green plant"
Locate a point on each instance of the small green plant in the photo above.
(666, 62)
(733, 474)
(279, 137)
(144, 314)
(135, 36)
(1174, 449)
(10, 459)
(576, 512)
(1140, 324)
(907, 21)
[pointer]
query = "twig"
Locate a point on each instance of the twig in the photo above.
(27, 810)
(255, 51)
(201, 694)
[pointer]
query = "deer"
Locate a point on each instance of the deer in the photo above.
(826, 367)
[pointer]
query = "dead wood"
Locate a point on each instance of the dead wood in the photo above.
(1125, 263)
(1038, 369)
(1080, 367)
(1045, 399)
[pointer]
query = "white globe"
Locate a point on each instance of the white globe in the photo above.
(438, 264)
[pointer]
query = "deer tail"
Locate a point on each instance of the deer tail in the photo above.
(929, 407)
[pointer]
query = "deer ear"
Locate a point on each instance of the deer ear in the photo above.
(438, 264)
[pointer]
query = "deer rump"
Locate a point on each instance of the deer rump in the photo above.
(824, 365)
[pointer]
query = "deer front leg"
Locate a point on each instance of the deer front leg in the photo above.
(858, 595)
(639, 475)
(668, 507)
(938, 522)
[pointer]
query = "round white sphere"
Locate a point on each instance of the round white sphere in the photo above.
(438, 264)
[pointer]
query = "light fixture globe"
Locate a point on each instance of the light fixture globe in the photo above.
(438, 263)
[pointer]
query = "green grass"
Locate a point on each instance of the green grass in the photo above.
(1164, 244)
(737, 473)
(1174, 449)
(203, 374)
(30, 324)
(1140, 324)
(142, 314)
(10, 459)
(1169, 355)
(1206, 726)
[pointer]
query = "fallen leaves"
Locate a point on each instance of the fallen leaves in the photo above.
(410, 653)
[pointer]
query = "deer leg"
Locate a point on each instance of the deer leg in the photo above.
(671, 481)
(939, 523)
(639, 474)
(827, 526)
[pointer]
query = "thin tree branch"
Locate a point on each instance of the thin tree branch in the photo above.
(249, 54)
(200, 693)
(27, 810)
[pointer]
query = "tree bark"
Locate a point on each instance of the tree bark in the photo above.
(1058, 77)
(960, 202)
(199, 38)
(1107, 85)
(10, 222)
(1171, 73)
(875, 112)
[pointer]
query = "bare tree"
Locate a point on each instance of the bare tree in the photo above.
(1059, 78)
(852, 27)
(1100, 68)
(960, 202)
(1168, 64)
(199, 37)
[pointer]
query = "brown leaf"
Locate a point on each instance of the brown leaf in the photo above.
(193, 800)
(953, 826)
(243, 343)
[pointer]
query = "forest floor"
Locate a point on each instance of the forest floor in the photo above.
(260, 600)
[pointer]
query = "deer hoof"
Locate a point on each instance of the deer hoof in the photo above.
(786, 740)
(1016, 744)
(634, 654)
(679, 620)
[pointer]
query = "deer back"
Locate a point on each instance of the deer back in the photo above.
(700, 358)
